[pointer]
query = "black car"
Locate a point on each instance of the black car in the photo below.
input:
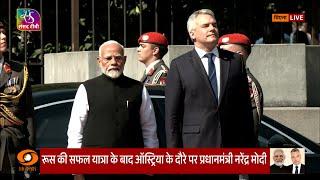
(53, 103)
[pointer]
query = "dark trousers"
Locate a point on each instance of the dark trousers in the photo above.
(11, 140)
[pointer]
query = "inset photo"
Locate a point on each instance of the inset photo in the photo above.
(287, 161)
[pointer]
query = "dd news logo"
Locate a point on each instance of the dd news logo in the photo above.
(288, 17)
(27, 159)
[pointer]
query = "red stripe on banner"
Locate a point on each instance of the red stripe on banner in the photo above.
(154, 161)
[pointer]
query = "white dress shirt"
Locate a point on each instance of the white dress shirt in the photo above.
(294, 168)
(79, 116)
(201, 53)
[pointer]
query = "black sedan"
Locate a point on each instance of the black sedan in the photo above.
(53, 103)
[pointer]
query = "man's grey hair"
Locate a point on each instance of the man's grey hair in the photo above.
(108, 43)
(191, 21)
(295, 150)
(278, 150)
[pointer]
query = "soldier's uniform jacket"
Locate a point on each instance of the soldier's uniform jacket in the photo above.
(157, 74)
(16, 111)
(256, 96)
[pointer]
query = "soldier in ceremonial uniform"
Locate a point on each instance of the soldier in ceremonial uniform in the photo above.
(239, 43)
(152, 47)
(16, 109)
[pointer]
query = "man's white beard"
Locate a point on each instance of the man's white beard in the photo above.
(278, 164)
(114, 74)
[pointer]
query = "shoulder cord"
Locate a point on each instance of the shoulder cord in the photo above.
(157, 76)
(256, 98)
(255, 93)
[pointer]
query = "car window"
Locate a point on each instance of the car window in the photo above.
(270, 137)
(52, 124)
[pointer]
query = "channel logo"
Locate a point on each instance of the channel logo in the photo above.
(27, 157)
(28, 20)
(288, 17)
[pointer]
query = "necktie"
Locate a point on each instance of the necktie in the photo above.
(296, 170)
(212, 74)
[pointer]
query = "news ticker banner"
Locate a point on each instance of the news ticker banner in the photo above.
(154, 161)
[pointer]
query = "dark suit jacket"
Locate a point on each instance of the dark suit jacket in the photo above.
(193, 118)
(302, 170)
